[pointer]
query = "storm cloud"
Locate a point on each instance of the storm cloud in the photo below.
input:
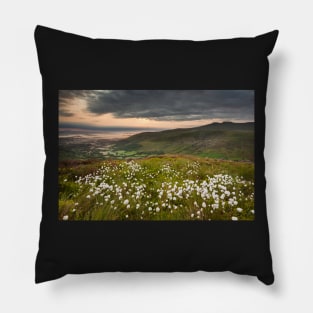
(164, 105)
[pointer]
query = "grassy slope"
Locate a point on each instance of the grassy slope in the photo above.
(152, 172)
(233, 141)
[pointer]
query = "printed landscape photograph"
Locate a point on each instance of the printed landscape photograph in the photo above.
(156, 155)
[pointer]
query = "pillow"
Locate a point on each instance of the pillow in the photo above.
(154, 155)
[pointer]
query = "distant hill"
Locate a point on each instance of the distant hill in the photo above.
(232, 141)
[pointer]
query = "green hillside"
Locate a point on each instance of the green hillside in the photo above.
(230, 141)
(157, 188)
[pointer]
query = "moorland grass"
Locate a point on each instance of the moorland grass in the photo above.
(169, 187)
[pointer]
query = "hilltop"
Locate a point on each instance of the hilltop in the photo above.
(227, 140)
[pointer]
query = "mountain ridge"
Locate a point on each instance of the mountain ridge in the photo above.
(226, 140)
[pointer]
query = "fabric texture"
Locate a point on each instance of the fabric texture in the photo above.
(104, 86)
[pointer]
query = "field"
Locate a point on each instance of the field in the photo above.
(160, 187)
(227, 141)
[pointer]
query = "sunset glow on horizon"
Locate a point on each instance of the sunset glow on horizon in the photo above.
(155, 109)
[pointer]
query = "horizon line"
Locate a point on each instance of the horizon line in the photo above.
(68, 125)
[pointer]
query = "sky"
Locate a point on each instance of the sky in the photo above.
(155, 109)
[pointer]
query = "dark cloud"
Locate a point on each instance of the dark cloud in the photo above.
(167, 104)
(65, 113)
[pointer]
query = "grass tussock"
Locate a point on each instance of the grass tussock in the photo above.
(168, 187)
